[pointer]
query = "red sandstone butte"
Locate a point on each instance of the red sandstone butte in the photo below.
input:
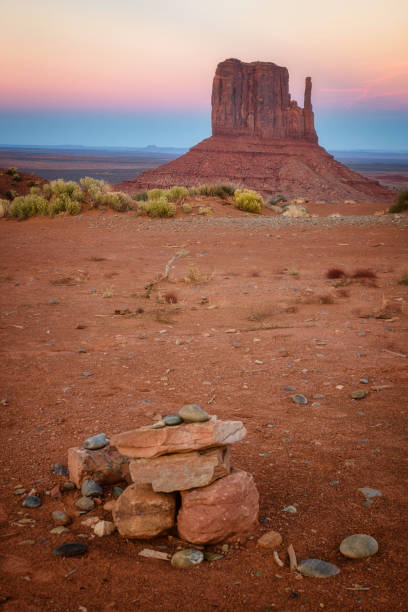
(104, 466)
(182, 471)
(225, 510)
(147, 442)
(261, 139)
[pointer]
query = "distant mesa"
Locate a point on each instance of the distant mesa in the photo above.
(263, 140)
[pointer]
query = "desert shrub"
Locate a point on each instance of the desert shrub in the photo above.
(31, 183)
(10, 194)
(273, 200)
(220, 190)
(60, 187)
(176, 194)
(155, 194)
(158, 208)
(205, 211)
(116, 200)
(364, 273)
(248, 200)
(63, 203)
(4, 208)
(186, 208)
(13, 172)
(196, 276)
(170, 297)
(294, 211)
(93, 187)
(35, 190)
(140, 196)
(333, 273)
(401, 203)
(28, 206)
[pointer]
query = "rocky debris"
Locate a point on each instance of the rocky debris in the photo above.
(85, 504)
(32, 501)
(148, 443)
(104, 466)
(191, 413)
(226, 509)
(181, 471)
(91, 489)
(142, 513)
(270, 540)
(74, 549)
(187, 558)
(370, 493)
(358, 546)
(263, 140)
(61, 518)
(104, 528)
(317, 568)
(59, 470)
(96, 442)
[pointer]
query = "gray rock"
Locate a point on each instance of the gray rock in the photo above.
(32, 501)
(317, 568)
(59, 470)
(85, 503)
(117, 492)
(87, 374)
(298, 398)
(68, 486)
(95, 442)
(187, 558)
(290, 509)
(19, 491)
(75, 549)
(81, 350)
(358, 546)
(364, 381)
(191, 413)
(370, 493)
(61, 518)
(172, 419)
(359, 394)
(91, 489)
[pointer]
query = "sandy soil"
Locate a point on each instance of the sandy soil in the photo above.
(271, 320)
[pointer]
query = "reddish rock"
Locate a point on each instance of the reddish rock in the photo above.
(263, 140)
(142, 513)
(270, 539)
(182, 471)
(104, 466)
(147, 442)
(225, 510)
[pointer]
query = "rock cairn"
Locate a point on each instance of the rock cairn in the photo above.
(181, 475)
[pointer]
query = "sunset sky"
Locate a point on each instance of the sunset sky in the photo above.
(136, 72)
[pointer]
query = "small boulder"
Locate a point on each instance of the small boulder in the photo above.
(191, 413)
(104, 528)
(358, 546)
(270, 539)
(317, 568)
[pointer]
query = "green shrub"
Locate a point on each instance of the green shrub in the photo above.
(248, 200)
(28, 206)
(116, 200)
(401, 203)
(155, 194)
(35, 190)
(176, 194)
(158, 208)
(10, 194)
(63, 203)
(61, 187)
(215, 191)
(93, 187)
(276, 199)
(140, 196)
(11, 170)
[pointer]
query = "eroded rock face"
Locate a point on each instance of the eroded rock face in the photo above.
(182, 471)
(253, 99)
(147, 442)
(103, 466)
(225, 510)
(142, 513)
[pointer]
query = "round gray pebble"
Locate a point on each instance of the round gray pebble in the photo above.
(358, 546)
(172, 419)
(85, 503)
(68, 486)
(298, 398)
(91, 489)
(61, 518)
(317, 568)
(187, 558)
(95, 442)
(32, 501)
(192, 413)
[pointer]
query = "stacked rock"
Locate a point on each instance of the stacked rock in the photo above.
(185, 456)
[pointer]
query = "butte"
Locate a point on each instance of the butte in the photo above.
(261, 139)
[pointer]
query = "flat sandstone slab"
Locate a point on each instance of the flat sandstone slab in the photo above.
(182, 471)
(147, 443)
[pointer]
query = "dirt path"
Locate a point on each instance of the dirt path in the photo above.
(266, 319)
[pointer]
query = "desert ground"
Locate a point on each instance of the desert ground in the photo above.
(246, 319)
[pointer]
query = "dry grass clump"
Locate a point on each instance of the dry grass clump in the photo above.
(387, 310)
(60, 187)
(158, 208)
(205, 211)
(155, 194)
(308, 296)
(170, 297)
(4, 207)
(404, 278)
(364, 273)
(294, 211)
(248, 201)
(334, 273)
(220, 190)
(401, 203)
(196, 277)
(176, 194)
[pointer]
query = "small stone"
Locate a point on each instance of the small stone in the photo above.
(359, 394)
(172, 419)
(59, 470)
(58, 530)
(212, 556)
(187, 558)
(68, 486)
(192, 413)
(104, 528)
(91, 489)
(289, 388)
(26, 543)
(85, 503)
(95, 442)
(364, 381)
(32, 501)
(358, 546)
(290, 509)
(298, 398)
(317, 568)
(81, 350)
(87, 374)
(90, 521)
(75, 549)
(61, 518)
(110, 505)
(370, 493)
(270, 539)
(225, 548)
(19, 491)
(117, 492)
(158, 425)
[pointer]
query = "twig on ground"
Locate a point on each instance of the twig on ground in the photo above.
(277, 559)
(292, 558)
